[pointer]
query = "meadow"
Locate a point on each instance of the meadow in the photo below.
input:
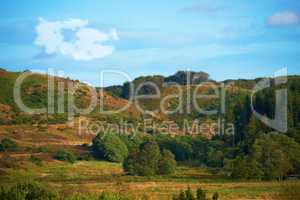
(94, 177)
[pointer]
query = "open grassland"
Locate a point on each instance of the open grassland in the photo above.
(96, 176)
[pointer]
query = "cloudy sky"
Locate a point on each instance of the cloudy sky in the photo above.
(227, 39)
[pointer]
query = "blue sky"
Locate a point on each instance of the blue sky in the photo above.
(228, 39)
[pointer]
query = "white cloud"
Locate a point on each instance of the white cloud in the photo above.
(86, 44)
(284, 18)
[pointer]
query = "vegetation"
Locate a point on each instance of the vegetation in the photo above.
(64, 155)
(189, 195)
(27, 191)
(35, 191)
(7, 144)
(273, 156)
(252, 163)
(36, 160)
(149, 161)
(166, 163)
(109, 147)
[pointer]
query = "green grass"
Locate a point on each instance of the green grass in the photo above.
(96, 176)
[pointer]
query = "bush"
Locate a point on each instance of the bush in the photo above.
(8, 145)
(43, 149)
(109, 147)
(189, 195)
(148, 161)
(27, 191)
(35, 160)
(65, 156)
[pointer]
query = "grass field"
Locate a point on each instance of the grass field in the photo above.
(96, 176)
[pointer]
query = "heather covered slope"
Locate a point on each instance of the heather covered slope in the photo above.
(34, 94)
(237, 105)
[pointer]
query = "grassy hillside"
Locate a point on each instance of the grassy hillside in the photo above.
(34, 94)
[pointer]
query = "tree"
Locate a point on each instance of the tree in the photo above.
(148, 160)
(167, 163)
(273, 156)
(277, 155)
(182, 149)
(149, 156)
(109, 147)
(215, 158)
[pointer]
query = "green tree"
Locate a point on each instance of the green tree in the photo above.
(277, 155)
(109, 147)
(167, 163)
(215, 158)
(148, 161)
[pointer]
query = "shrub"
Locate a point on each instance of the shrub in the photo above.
(27, 191)
(35, 160)
(189, 195)
(43, 149)
(85, 157)
(109, 147)
(65, 156)
(8, 145)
